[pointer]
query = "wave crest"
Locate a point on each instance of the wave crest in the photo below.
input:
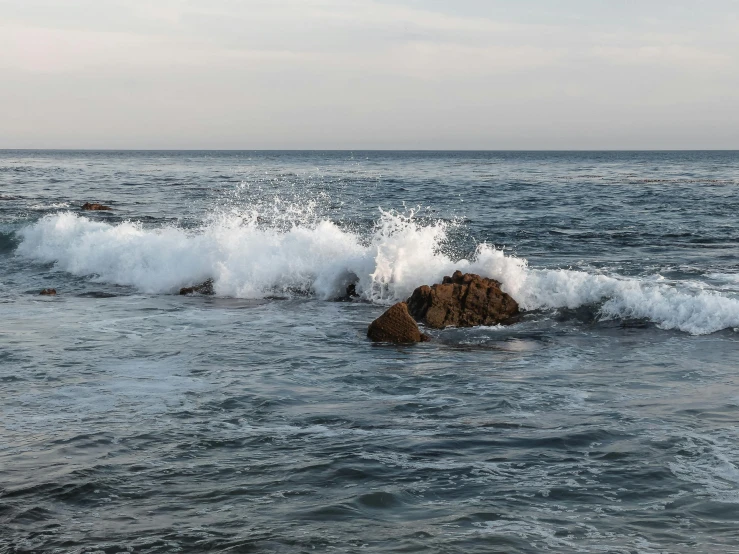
(247, 259)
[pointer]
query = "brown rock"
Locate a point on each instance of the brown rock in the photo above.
(395, 325)
(462, 300)
(202, 288)
(95, 207)
(48, 292)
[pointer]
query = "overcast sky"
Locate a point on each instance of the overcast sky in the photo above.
(352, 74)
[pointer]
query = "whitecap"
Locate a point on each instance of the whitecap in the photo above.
(249, 259)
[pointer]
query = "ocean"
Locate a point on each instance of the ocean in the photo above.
(261, 419)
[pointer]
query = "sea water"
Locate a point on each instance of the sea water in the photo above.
(262, 419)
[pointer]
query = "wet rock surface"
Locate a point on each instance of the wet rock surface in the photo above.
(396, 325)
(87, 206)
(203, 288)
(462, 300)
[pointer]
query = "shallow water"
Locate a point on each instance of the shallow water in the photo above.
(261, 419)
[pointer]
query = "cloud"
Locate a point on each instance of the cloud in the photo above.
(327, 72)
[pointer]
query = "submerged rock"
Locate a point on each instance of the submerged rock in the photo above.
(462, 300)
(202, 288)
(351, 291)
(48, 292)
(395, 325)
(97, 294)
(95, 207)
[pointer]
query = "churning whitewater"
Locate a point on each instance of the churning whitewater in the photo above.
(248, 259)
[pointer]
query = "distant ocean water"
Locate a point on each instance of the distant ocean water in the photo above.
(262, 420)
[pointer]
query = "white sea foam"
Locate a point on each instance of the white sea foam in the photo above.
(251, 260)
(724, 277)
(51, 206)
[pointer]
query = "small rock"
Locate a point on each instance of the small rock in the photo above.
(202, 288)
(396, 325)
(462, 300)
(95, 207)
(48, 292)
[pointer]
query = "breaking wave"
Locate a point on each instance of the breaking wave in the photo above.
(249, 259)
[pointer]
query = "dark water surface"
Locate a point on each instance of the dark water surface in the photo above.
(262, 420)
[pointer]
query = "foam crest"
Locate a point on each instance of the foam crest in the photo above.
(686, 306)
(245, 259)
(249, 258)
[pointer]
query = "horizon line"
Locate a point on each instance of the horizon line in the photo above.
(368, 150)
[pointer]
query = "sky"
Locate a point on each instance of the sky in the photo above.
(366, 74)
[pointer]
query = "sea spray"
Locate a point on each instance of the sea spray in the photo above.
(249, 257)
